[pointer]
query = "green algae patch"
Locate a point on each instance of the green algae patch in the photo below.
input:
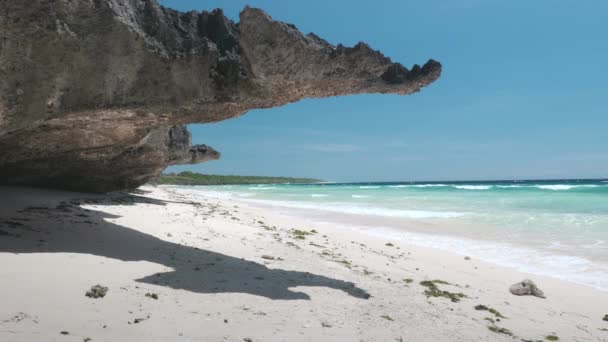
(301, 234)
(434, 291)
(152, 295)
(496, 313)
(343, 262)
(551, 338)
(500, 330)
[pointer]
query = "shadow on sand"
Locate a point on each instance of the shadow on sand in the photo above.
(69, 228)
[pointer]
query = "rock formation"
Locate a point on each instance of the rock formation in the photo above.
(526, 288)
(94, 93)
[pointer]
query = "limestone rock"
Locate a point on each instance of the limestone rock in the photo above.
(94, 94)
(526, 288)
(97, 291)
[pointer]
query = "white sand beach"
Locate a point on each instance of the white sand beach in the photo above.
(223, 270)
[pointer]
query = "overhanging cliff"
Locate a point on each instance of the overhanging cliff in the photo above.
(94, 94)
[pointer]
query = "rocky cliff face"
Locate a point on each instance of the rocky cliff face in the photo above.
(94, 93)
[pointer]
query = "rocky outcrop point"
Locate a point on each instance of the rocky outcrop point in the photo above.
(94, 94)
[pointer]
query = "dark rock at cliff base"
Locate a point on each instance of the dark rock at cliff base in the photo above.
(94, 94)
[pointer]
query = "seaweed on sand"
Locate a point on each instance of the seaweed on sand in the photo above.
(434, 291)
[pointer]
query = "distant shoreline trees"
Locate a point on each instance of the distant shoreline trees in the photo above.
(193, 178)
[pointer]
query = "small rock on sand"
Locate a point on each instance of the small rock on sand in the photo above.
(268, 257)
(526, 288)
(467, 258)
(97, 291)
(606, 317)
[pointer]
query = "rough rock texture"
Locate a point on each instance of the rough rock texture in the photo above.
(97, 291)
(526, 288)
(93, 93)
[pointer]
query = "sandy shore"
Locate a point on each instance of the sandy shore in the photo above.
(226, 271)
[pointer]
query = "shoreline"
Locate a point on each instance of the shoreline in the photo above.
(224, 270)
(445, 233)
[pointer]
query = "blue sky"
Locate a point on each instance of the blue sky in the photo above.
(523, 94)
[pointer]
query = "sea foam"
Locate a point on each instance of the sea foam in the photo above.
(473, 187)
(418, 186)
(360, 210)
(557, 187)
(575, 269)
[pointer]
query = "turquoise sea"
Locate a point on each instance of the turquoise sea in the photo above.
(556, 228)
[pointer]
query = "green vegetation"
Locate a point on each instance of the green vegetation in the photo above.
(434, 291)
(500, 330)
(408, 280)
(193, 178)
(606, 317)
(551, 338)
(344, 262)
(485, 308)
(152, 295)
(301, 234)
(387, 317)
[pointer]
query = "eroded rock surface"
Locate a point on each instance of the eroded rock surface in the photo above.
(526, 288)
(93, 94)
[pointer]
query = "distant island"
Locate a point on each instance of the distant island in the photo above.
(193, 178)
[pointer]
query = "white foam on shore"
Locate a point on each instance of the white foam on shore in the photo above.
(335, 207)
(369, 187)
(318, 195)
(569, 268)
(359, 210)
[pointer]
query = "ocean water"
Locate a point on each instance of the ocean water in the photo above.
(554, 228)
